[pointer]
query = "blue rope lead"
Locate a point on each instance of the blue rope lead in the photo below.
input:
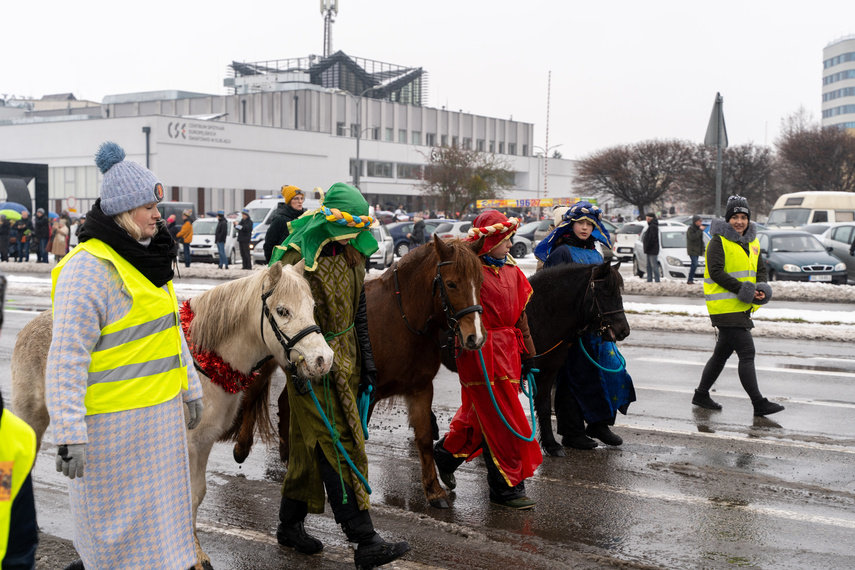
(335, 438)
(529, 394)
(595, 363)
(363, 404)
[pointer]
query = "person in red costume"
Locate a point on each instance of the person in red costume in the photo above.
(477, 428)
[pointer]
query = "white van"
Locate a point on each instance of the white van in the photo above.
(800, 208)
(261, 211)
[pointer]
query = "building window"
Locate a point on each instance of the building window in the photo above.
(379, 169)
(467, 143)
(402, 135)
(353, 168)
(479, 145)
(375, 133)
(492, 146)
(416, 137)
(410, 171)
(354, 130)
(501, 148)
(512, 148)
(341, 129)
(430, 139)
(525, 150)
(453, 141)
(443, 140)
(390, 134)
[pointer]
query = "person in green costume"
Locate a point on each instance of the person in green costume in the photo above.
(334, 242)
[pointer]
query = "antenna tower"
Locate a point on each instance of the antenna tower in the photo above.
(546, 144)
(329, 9)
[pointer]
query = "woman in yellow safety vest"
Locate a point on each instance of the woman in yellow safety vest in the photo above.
(118, 371)
(734, 287)
(18, 530)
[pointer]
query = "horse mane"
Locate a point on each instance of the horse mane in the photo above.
(221, 312)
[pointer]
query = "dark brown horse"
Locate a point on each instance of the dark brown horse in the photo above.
(433, 289)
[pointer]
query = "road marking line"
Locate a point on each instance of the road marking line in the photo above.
(763, 368)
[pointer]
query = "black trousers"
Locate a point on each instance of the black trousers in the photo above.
(730, 339)
(245, 256)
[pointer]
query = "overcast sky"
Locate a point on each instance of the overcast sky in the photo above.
(622, 71)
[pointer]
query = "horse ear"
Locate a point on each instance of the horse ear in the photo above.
(477, 245)
(442, 248)
(602, 270)
(274, 273)
(300, 266)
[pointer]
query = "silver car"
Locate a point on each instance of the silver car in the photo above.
(673, 258)
(838, 240)
(384, 256)
(450, 230)
(204, 248)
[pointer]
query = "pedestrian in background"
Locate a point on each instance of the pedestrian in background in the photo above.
(244, 237)
(650, 244)
(220, 235)
(42, 235)
(694, 245)
(734, 287)
(5, 234)
(478, 427)
(417, 235)
(287, 211)
(334, 250)
(24, 228)
(118, 376)
(185, 234)
(59, 237)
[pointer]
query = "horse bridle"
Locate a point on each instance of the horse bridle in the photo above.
(288, 343)
(595, 304)
(451, 316)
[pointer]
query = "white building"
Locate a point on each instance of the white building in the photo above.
(279, 126)
(838, 83)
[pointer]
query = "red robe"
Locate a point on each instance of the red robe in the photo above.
(504, 295)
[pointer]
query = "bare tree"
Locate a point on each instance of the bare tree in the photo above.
(639, 174)
(457, 177)
(816, 158)
(747, 170)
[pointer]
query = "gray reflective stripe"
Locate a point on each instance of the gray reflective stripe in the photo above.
(746, 273)
(112, 340)
(720, 296)
(131, 371)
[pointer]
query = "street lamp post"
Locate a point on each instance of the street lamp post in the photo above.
(545, 175)
(358, 135)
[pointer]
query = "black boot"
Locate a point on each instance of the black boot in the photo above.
(601, 431)
(501, 493)
(703, 400)
(571, 424)
(76, 565)
(446, 464)
(372, 550)
(291, 532)
(764, 407)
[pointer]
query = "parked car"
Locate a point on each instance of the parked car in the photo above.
(521, 247)
(625, 237)
(399, 231)
(528, 230)
(794, 255)
(673, 258)
(385, 255)
(816, 229)
(204, 249)
(839, 238)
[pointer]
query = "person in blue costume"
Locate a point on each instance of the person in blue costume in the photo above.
(585, 393)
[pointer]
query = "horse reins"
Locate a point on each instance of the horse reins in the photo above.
(288, 343)
(451, 316)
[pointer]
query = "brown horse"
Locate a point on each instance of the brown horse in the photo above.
(434, 289)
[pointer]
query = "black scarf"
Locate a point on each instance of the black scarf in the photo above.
(573, 240)
(153, 261)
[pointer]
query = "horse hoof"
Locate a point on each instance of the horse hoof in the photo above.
(440, 504)
(239, 455)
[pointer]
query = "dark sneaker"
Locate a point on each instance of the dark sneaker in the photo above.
(295, 536)
(703, 400)
(603, 433)
(578, 442)
(376, 552)
(520, 503)
(764, 407)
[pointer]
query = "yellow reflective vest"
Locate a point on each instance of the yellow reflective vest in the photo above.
(738, 265)
(138, 360)
(17, 455)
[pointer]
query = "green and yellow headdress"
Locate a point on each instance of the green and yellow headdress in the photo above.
(343, 215)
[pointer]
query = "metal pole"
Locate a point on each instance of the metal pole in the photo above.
(147, 131)
(718, 119)
(358, 137)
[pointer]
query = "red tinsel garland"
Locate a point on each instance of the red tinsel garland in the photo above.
(214, 366)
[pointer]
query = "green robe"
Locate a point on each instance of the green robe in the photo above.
(336, 289)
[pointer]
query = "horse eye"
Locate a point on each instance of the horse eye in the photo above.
(451, 284)
(283, 312)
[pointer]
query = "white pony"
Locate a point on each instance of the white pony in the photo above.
(268, 315)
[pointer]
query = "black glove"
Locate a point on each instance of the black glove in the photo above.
(528, 366)
(368, 381)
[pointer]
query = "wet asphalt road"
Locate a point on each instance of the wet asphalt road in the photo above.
(689, 488)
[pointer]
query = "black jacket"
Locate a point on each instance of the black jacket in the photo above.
(42, 227)
(694, 241)
(278, 230)
(23, 225)
(651, 238)
(222, 231)
(5, 228)
(244, 230)
(417, 236)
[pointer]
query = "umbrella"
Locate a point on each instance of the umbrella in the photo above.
(52, 215)
(12, 206)
(11, 214)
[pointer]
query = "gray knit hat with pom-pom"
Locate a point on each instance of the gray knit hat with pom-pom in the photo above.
(126, 185)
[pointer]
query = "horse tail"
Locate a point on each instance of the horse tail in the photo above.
(254, 412)
(28, 367)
